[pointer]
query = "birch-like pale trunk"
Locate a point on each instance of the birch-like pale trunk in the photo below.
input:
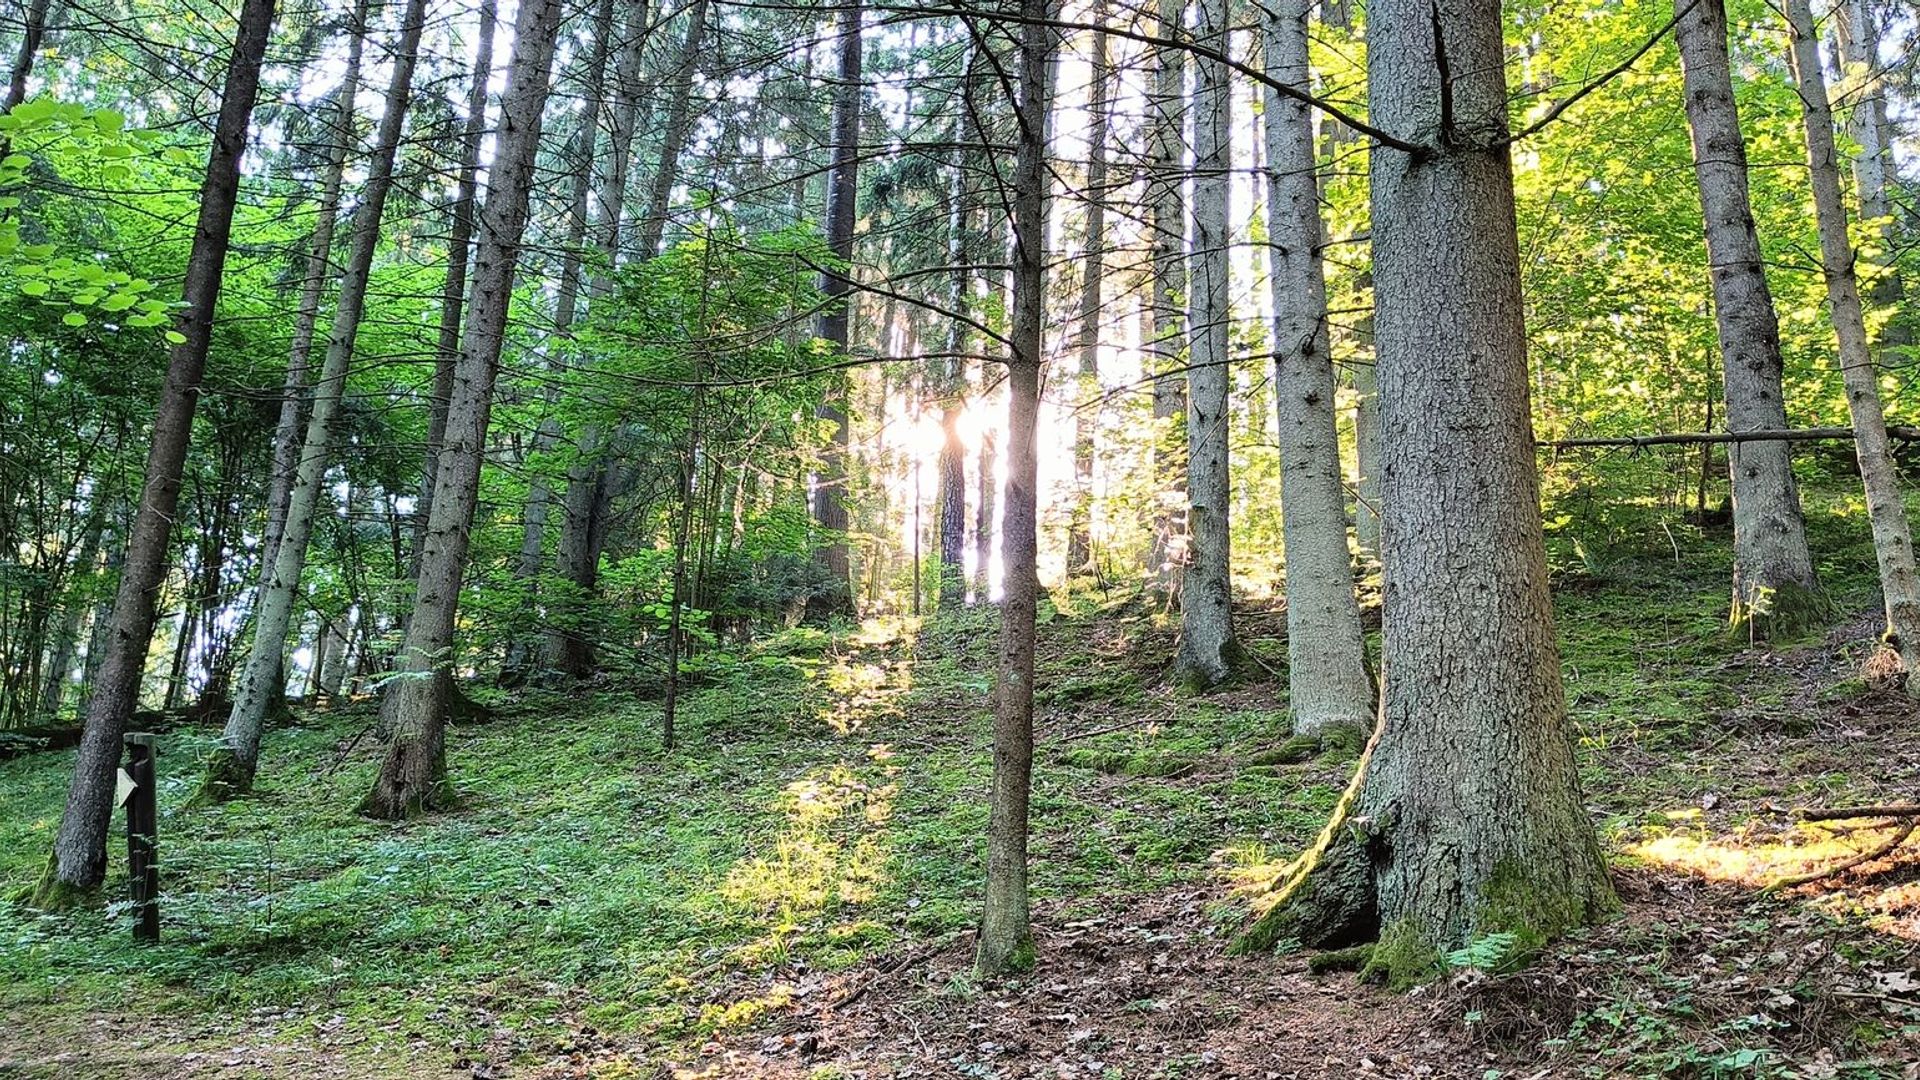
(413, 775)
(1872, 131)
(1327, 683)
(236, 759)
(1879, 473)
(1209, 653)
(1774, 589)
(1006, 928)
(79, 862)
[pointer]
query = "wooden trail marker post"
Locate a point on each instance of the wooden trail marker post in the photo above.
(138, 794)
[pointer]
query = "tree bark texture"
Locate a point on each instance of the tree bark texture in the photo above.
(1327, 684)
(413, 775)
(1774, 589)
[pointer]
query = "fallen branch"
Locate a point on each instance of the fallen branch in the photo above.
(1906, 830)
(1695, 438)
(1846, 813)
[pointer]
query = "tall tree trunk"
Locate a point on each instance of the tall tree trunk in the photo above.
(1167, 233)
(1872, 131)
(843, 183)
(413, 775)
(1774, 590)
(533, 533)
(1086, 418)
(1886, 514)
(232, 765)
(1006, 930)
(1470, 820)
(1326, 654)
(983, 512)
(1209, 653)
(79, 860)
(453, 289)
(293, 391)
(569, 641)
(953, 386)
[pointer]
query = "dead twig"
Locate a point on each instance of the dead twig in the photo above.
(1898, 838)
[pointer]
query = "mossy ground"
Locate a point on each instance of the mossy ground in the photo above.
(595, 900)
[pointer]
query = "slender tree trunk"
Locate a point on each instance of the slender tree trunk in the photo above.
(1092, 279)
(1006, 931)
(453, 289)
(521, 651)
(569, 641)
(293, 391)
(1209, 653)
(843, 183)
(413, 775)
(33, 29)
(1872, 131)
(79, 860)
(1470, 820)
(953, 370)
(1886, 514)
(59, 671)
(673, 135)
(983, 517)
(234, 762)
(1167, 232)
(1774, 591)
(1326, 654)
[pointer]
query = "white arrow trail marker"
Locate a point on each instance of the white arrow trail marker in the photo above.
(123, 788)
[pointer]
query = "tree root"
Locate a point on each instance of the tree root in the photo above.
(1325, 897)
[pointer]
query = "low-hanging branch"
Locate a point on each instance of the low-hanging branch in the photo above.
(1695, 438)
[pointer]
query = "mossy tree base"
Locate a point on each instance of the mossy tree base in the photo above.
(1330, 904)
(227, 777)
(1779, 613)
(52, 895)
(412, 781)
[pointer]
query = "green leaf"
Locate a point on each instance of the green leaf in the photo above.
(34, 288)
(74, 318)
(175, 337)
(109, 121)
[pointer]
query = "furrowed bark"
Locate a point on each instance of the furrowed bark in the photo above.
(843, 176)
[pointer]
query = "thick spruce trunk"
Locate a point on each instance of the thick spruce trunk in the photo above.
(1209, 653)
(1886, 513)
(1327, 684)
(1469, 821)
(1006, 930)
(79, 860)
(233, 763)
(1774, 590)
(413, 775)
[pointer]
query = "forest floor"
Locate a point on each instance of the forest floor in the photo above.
(790, 894)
